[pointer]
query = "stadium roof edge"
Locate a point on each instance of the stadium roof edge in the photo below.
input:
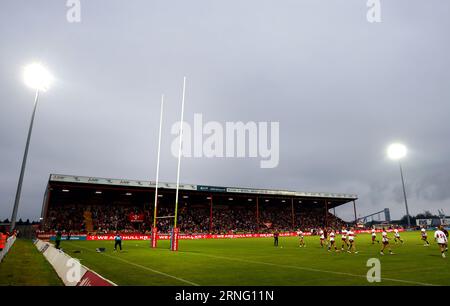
(194, 187)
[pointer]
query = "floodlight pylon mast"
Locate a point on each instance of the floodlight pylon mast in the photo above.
(24, 163)
(404, 194)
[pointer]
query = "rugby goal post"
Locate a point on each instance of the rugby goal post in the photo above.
(155, 214)
(175, 231)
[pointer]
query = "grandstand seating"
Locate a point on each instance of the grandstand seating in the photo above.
(191, 219)
(87, 215)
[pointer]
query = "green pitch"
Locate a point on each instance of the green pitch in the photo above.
(25, 266)
(257, 262)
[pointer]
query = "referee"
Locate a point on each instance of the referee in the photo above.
(275, 238)
(117, 241)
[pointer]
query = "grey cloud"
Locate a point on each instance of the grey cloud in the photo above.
(341, 88)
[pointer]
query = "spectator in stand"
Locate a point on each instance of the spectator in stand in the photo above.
(3, 238)
(192, 219)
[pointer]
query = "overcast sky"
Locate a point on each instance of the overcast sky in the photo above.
(341, 88)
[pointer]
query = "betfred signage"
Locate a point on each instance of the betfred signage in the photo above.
(377, 231)
(124, 237)
(188, 237)
(197, 236)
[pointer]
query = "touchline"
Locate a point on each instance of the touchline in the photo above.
(229, 140)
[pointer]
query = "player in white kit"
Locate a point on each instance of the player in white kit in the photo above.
(301, 238)
(374, 236)
(424, 235)
(397, 236)
(441, 240)
(332, 243)
(385, 242)
(344, 238)
(351, 241)
(322, 237)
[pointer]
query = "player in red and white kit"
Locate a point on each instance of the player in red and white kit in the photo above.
(332, 241)
(301, 238)
(446, 235)
(442, 240)
(322, 237)
(385, 241)
(397, 236)
(344, 238)
(351, 241)
(423, 233)
(374, 236)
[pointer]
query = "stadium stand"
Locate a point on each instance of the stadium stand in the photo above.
(191, 220)
(90, 205)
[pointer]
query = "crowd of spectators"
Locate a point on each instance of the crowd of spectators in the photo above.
(65, 217)
(103, 219)
(313, 219)
(224, 220)
(109, 219)
(191, 219)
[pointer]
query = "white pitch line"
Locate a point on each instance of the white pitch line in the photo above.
(311, 269)
(144, 267)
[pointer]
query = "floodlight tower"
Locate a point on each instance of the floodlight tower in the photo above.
(38, 78)
(397, 151)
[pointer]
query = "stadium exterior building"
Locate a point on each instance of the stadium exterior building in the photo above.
(67, 189)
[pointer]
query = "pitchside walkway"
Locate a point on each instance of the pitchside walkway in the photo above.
(25, 266)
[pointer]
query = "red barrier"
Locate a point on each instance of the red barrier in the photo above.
(124, 237)
(46, 236)
(92, 279)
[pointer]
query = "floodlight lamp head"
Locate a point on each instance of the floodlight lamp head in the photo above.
(37, 77)
(396, 151)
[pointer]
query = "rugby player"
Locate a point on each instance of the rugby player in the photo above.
(441, 240)
(332, 242)
(344, 238)
(397, 236)
(424, 235)
(322, 237)
(374, 236)
(300, 237)
(385, 241)
(351, 241)
(446, 234)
